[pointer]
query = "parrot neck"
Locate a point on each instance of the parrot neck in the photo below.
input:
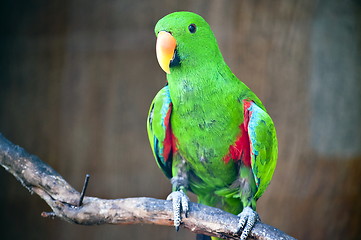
(201, 83)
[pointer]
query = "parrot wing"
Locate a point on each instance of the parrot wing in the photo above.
(263, 145)
(159, 130)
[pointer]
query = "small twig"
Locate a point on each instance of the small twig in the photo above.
(82, 194)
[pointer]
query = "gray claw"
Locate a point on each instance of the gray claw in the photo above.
(180, 204)
(247, 219)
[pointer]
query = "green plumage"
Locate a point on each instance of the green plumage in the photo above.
(203, 108)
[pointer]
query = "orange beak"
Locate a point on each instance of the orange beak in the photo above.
(165, 48)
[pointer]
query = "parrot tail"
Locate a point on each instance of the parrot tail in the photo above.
(203, 237)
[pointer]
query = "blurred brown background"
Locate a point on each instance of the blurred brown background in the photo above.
(77, 78)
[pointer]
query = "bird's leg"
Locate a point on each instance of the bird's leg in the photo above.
(248, 217)
(180, 204)
(178, 196)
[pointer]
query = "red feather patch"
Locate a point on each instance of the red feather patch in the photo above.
(240, 150)
(170, 140)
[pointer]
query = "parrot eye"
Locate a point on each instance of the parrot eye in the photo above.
(192, 28)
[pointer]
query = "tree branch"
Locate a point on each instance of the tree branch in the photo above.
(63, 199)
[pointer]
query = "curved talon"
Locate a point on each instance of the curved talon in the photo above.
(180, 204)
(247, 219)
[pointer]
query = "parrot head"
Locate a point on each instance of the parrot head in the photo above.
(184, 40)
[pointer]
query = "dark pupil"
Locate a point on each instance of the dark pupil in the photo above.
(192, 28)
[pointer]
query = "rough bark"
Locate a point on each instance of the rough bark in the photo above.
(40, 178)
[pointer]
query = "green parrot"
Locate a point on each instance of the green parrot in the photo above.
(210, 134)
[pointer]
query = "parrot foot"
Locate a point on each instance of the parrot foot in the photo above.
(180, 204)
(247, 219)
